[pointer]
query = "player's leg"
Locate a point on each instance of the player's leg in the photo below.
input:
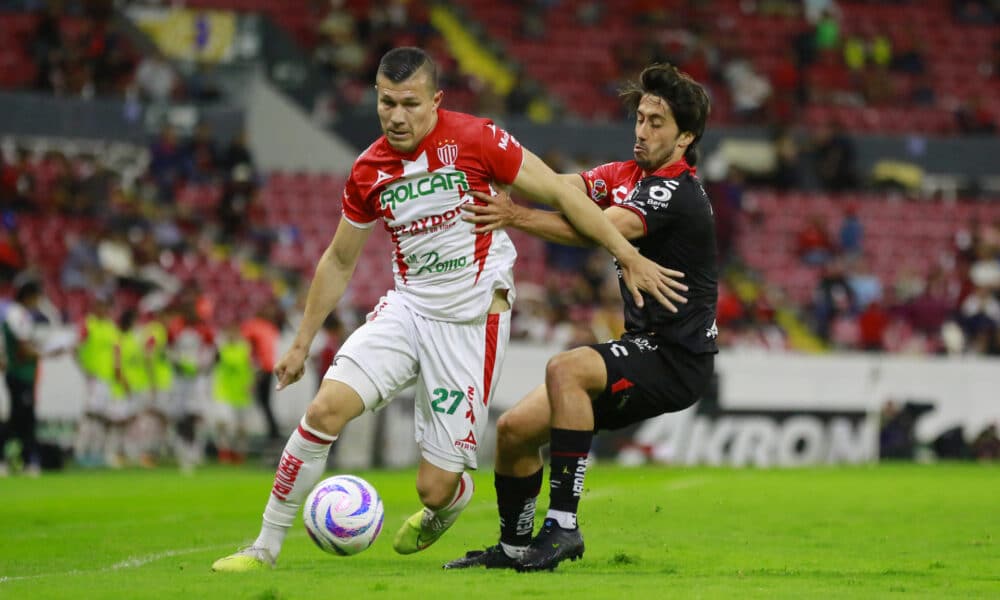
(444, 494)
(572, 379)
(92, 428)
(240, 443)
(459, 370)
(221, 425)
(348, 389)
(115, 411)
(517, 477)
(22, 423)
(302, 463)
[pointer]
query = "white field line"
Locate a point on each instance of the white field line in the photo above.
(139, 561)
(128, 563)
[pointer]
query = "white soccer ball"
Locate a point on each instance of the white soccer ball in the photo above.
(343, 514)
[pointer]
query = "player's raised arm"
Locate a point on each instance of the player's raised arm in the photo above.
(538, 182)
(494, 212)
(333, 272)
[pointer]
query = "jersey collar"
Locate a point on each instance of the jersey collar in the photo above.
(676, 169)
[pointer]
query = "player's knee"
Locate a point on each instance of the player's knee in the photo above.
(435, 495)
(324, 414)
(509, 435)
(563, 369)
(580, 369)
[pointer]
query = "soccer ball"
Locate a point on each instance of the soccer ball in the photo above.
(343, 515)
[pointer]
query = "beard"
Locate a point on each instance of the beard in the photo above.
(645, 165)
(649, 163)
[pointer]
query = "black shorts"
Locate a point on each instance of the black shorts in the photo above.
(647, 378)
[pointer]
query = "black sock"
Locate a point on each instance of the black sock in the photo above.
(569, 451)
(516, 499)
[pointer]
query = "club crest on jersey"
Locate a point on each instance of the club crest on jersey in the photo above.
(599, 189)
(448, 152)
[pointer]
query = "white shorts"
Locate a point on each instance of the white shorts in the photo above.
(117, 410)
(161, 402)
(455, 367)
(190, 396)
(229, 416)
(97, 397)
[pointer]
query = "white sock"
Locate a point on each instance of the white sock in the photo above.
(300, 469)
(133, 439)
(459, 501)
(88, 445)
(566, 520)
(113, 444)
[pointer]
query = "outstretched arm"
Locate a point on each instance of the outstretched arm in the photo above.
(333, 272)
(493, 212)
(539, 183)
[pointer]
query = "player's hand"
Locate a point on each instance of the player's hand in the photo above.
(290, 368)
(654, 279)
(489, 212)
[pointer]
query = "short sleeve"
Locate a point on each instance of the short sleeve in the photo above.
(598, 181)
(20, 323)
(356, 208)
(502, 154)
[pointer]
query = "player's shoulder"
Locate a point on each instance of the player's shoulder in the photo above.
(372, 167)
(679, 180)
(460, 121)
(16, 313)
(472, 130)
(616, 172)
(675, 192)
(681, 184)
(377, 152)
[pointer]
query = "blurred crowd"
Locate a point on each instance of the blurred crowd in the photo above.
(822, 64)
(115, 253)
(168, 385)
(79, 50)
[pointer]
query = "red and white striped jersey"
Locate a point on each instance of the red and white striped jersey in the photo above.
(440, 266)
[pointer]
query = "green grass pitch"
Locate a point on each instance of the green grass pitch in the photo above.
(916, 531)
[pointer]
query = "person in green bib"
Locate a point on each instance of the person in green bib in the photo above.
(95, 355)
(158, 411)
(192, 354)
(131, 381)
(233, 381)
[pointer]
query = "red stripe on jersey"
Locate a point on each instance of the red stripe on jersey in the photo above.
(492, 335)
(400, 260)
(483, 243)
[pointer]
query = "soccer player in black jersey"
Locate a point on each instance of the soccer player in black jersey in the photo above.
(664, 360)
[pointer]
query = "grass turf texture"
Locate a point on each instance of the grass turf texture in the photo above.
(898, 530)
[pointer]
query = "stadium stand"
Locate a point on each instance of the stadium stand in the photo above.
(292, 214)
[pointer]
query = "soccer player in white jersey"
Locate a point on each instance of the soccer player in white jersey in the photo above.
(446, 324)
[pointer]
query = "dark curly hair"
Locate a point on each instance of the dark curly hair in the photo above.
(686, 98)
